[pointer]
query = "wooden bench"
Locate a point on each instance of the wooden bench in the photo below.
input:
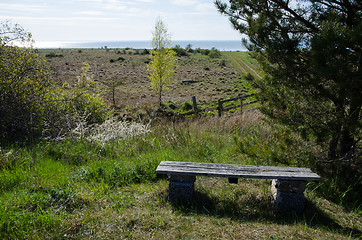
(288, 183)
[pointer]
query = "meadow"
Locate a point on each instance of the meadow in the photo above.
(99, 181)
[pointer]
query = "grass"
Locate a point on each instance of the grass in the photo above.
(244, 63)
(102, 184)
(79, 189)
(213, 79)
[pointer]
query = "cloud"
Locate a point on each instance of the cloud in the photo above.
(195, 6)
(185, 2)
(205, 7)
(92, 13)
(26, 7)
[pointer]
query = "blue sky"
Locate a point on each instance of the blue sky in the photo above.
(114, 20)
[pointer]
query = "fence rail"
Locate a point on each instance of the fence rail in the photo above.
(220, 107)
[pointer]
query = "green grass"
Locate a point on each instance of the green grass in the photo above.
(75, 189)
(244, 63)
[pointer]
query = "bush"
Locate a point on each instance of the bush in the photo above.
(32, 105)
(249, 77)
(214, 53)
(187, 106)
(52, 55)
(24, 83)
(179, 51)
(204, 51)
(145, 52)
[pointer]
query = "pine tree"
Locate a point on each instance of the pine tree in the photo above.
(311, 52)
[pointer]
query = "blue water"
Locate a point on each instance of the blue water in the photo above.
(223, 45)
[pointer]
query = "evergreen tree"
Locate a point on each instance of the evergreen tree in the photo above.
(311, 52)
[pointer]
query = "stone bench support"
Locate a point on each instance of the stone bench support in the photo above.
(181, 187)
(288, 195)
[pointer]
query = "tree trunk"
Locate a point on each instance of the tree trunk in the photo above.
(346, 144)
(347, 140)
(333, 144)
(160, 96)
(343, 141)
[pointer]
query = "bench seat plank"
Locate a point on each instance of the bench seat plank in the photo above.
(236, 171)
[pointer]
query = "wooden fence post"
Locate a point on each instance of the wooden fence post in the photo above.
(219, 108)
(194, 104)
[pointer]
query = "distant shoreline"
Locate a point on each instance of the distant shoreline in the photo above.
(222, 45)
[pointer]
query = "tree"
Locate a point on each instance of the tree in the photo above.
(163, 62)
(31, 103)
(311, 53)
(112, 84)
(24, 81)
(10, 33)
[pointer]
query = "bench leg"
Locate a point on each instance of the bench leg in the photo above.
(288, 195)
(181, 187)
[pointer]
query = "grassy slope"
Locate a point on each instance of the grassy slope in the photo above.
(244, 63)
(77, 189)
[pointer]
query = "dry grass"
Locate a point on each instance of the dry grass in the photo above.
(221, 211)
(214, 81)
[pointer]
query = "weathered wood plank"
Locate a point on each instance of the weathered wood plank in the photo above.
(235, 171)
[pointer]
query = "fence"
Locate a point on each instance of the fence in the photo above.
(220, 104)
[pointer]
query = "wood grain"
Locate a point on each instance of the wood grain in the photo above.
(236, 171)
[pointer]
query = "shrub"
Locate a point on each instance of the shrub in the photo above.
(222, 63)
(249, 77)
(32, 105)
(145, 52)
(52, 55)
(204, 51)
(187, 106)
(25, 83)
(179, 51)
(214, 53)
(112, 129)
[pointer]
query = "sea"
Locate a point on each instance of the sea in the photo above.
(222, 45)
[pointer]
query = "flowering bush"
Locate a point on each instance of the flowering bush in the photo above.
(112, 129)
(109, 130)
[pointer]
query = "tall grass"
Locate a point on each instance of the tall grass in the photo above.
(72, 187)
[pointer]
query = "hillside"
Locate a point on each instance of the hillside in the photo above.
(99, 181)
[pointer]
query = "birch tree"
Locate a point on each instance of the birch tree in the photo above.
(161, 68)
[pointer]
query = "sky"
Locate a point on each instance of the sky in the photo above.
(117, 20)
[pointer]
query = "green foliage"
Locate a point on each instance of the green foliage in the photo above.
(55, 190)
(25, 86)
(112, 84)
(10, 33)
(187, 106)
(249, 77)
(214, 53)
(204, 51)
(312, 62)
(53, 55)
(179, 51)
(163, 62)
(33, 105)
